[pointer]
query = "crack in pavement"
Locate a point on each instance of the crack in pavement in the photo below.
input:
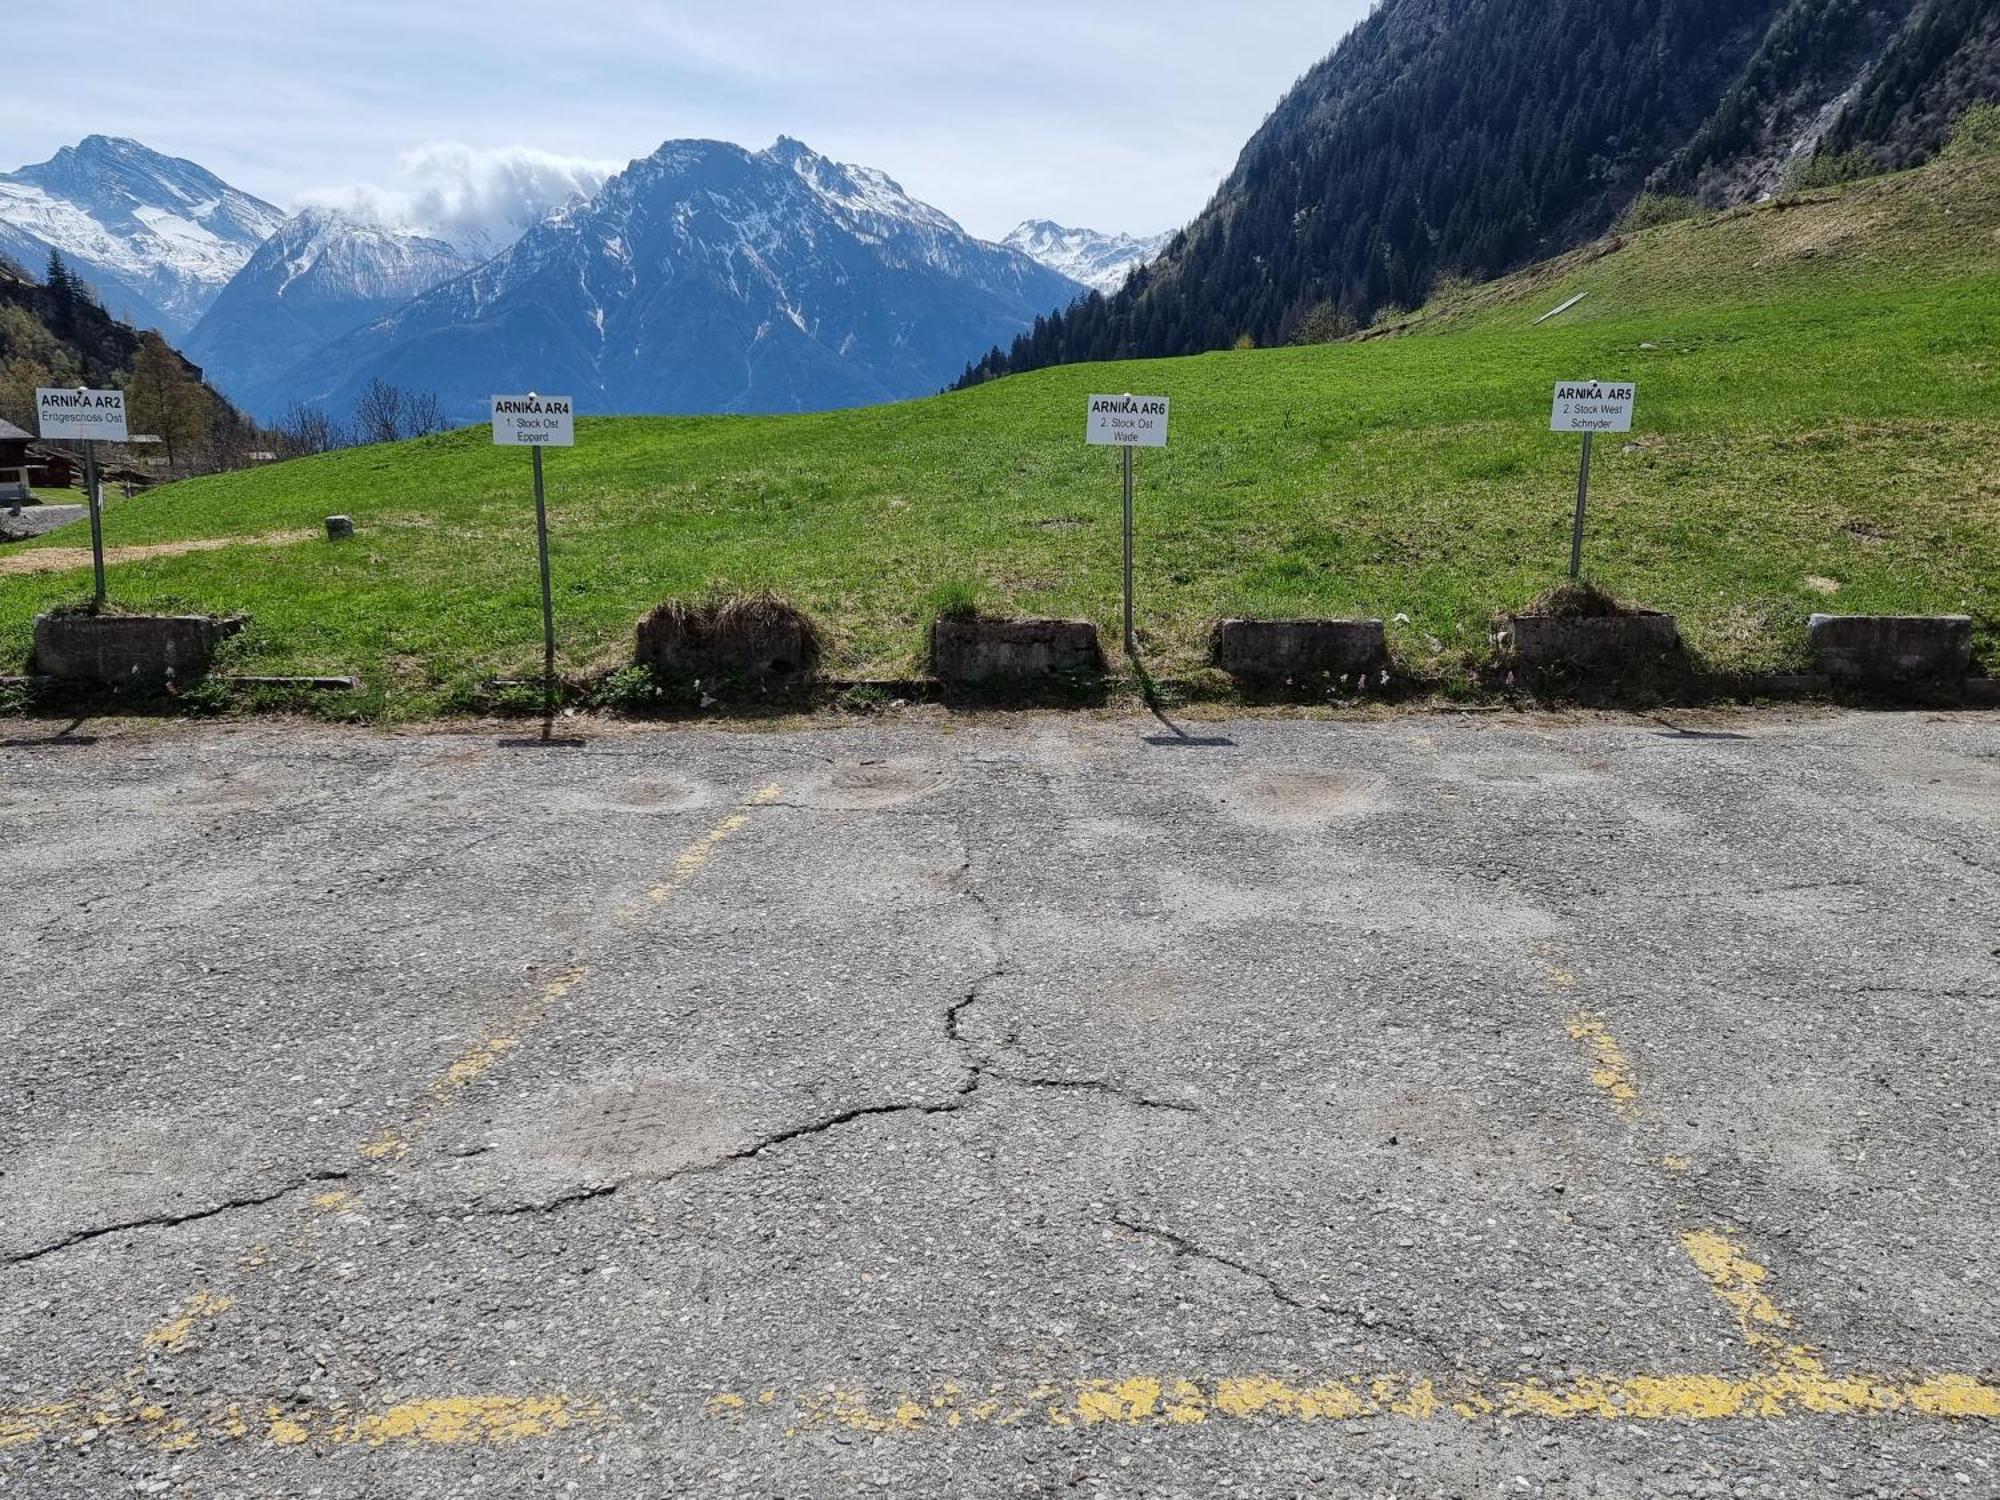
(1181, 1245)
(976, 1072)
(744, 1153)
(171, 1221)
(977, 1066)
(1090, 1086)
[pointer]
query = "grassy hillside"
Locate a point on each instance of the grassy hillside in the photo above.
(1819, 428)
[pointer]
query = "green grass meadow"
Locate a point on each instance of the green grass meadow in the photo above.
(1818, 429)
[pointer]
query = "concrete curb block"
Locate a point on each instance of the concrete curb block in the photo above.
(1276, 649)
(697, 643)
(1885, 650)
(966, 649)
(1597, 641)
(116, 649)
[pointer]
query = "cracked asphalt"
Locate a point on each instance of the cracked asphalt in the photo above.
(1008, 1105)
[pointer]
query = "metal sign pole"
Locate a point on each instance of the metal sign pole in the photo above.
(548, 599)
(96, 515)
(1131, 636)
(1582, 500)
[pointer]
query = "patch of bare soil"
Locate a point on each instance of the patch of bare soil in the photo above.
(63, 559)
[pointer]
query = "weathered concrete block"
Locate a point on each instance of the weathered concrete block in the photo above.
(1591, 641)
(1887, 649)
(760, 637)
(1298, 648)
(118, 649)
(339, 528)
(968, 649)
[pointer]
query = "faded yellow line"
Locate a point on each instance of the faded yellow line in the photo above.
(438, 1422)
(1162, 1401)
(171, 1334)
(1611, 1069)
(467, 1419)
(395, 1140)
(1738, 1282)
(691, 862)
(1138, 1401)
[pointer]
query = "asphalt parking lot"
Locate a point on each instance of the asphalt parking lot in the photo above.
(1021, 1106)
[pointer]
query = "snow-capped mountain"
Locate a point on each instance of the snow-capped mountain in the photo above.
(157, 237)
(1100, 261)
(708, 278)
(322, 274)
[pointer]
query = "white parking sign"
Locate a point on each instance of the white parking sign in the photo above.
(93, 416)
(1593, 406)
(533, 421)
(1128, 422)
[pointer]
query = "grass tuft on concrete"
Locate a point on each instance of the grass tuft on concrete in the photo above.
(1585, 600)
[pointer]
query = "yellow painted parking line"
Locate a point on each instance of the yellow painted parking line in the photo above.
(1147, 1401)
(1740, 1283)
(170, 1335)
(692, 861)
(1166, 1401)
(1612, 1070)
(437, 1422)
(395, 1140)
(470, 1066)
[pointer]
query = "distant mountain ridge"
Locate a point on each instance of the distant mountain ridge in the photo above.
(707, 278)
(1099, 261)
(157, 237)
(1470, 137)
(321, 275)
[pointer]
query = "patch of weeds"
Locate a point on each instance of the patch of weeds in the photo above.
(516, 698)
(1578, 601)
(19, 699)
(864, 698)
(75, 608)
(1070, 689)
(725, 630)
(954, 599)
(632, 690)
(204, 698)
(1342, 689)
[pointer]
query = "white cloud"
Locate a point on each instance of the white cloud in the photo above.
(1107, 116)
(480, 198)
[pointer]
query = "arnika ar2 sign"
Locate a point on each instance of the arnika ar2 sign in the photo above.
(85, 416)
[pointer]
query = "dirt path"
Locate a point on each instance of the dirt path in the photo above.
(62, 559)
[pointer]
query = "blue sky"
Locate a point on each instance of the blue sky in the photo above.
(1120, 117)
